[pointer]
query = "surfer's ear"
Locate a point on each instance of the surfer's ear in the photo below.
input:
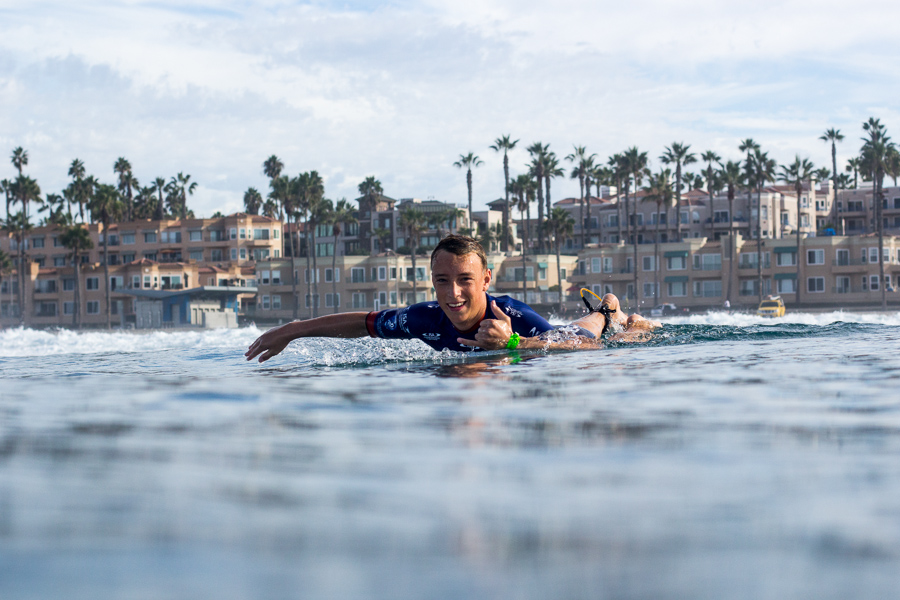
(488, 276)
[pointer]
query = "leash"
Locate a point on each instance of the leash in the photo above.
(603, 310)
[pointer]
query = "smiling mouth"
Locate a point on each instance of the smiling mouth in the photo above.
(456, 305)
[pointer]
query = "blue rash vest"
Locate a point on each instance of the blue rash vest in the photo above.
(426, 321)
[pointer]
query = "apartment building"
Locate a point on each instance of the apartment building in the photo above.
(778, 208)
(145, 255)
(701, 273)
(854, 212)
(365, 283)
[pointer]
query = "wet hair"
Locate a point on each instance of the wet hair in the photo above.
(460, 245)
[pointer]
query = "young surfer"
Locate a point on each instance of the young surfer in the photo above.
(584, 333)
(460, 278)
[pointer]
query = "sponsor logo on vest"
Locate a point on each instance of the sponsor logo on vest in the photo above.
(513, 312)
(391, 323)
(434, 337)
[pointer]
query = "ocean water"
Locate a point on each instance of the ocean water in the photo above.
(728, 457)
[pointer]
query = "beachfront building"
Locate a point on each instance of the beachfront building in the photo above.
(617, 218)
(143, 255)
(854, 211)
(385, 280)
(834, 271)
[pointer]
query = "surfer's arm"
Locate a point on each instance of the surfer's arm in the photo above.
(343, 325)
(494, 334)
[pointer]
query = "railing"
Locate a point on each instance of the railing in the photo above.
(767, 264)
(714, 267)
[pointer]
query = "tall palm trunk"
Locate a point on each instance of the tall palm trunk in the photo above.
(732, 249)
(759, 240)
(879, 206)
(656, 261)
(296, 312)
(678, 200)
(798, 190)
(76, 315)
(315, 274)
(504, 246)
(334, 301)
(581, 203)
(106, 272)
(469, 185)
(562, 292)
(309, 273)
(540, 200)
(637, 294)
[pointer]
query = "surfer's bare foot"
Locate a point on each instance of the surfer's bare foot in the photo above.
(611, 302)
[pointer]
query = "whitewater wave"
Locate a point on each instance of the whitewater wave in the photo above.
(801, 318)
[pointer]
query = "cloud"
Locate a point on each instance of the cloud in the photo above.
(398, 90)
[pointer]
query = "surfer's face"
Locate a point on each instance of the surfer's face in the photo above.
(460, 283)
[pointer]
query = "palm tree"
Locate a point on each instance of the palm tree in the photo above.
(678, 155)
(582, 162)
(834, 136)
(505, 144)
(560, 226)
(19, 159)
(467, 161)
(551, 170)
(123, 169)
(107, 206)
(636, 165)
(342, 215)
(875, 157)
(796, 174)
(252, 201)
(615, 163)
(181, 187)
(76, 239)
(732, 178)
(711, 158)
(76, 172)
(316, 208)
(370, 191)
(762, 170)
(159, 185)
(659, 190)
(853, 167)
(53, 204)
(537, 169)
(412, 221)
(6, 186)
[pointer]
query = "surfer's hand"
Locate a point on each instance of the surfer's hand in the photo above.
(270, 344)
(492, 334)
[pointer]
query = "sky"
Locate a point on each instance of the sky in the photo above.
(400, 90)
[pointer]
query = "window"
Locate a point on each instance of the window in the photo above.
(263, 277)
(243, 254)
(542, 273)
(359, 300)
(648, 263)
(707, 262)
(147, 281)
(232, 233)
(815, 257)
(127, 258)
(68, 308)
(93, 307)
(842, 285)
(45, 309)
(708, 288)
(127, 238)
(243, 233)
(149, 237)
(171, 237)
(37, 242)
(196, 235)
(873, 255)
(607, 264)
(873, 283)
(786, 259)
(382, 273)
(215, 255)
(59, 261)
(150, 256)
(720, 216)
(266, 302)
(684, 217)
(260, 234)
(595, 265)
(392, 276)
(234, 253)
(815, 284)
(393, 298)
(276, 277)
(92, 283)
(332, 300)
(276, 302)
(785, 286)
(45, 286)
(842, 258)
(325, 249)
(357, 275)
(676, 289)
(116, 282)
(676, 263)
(650, 290)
